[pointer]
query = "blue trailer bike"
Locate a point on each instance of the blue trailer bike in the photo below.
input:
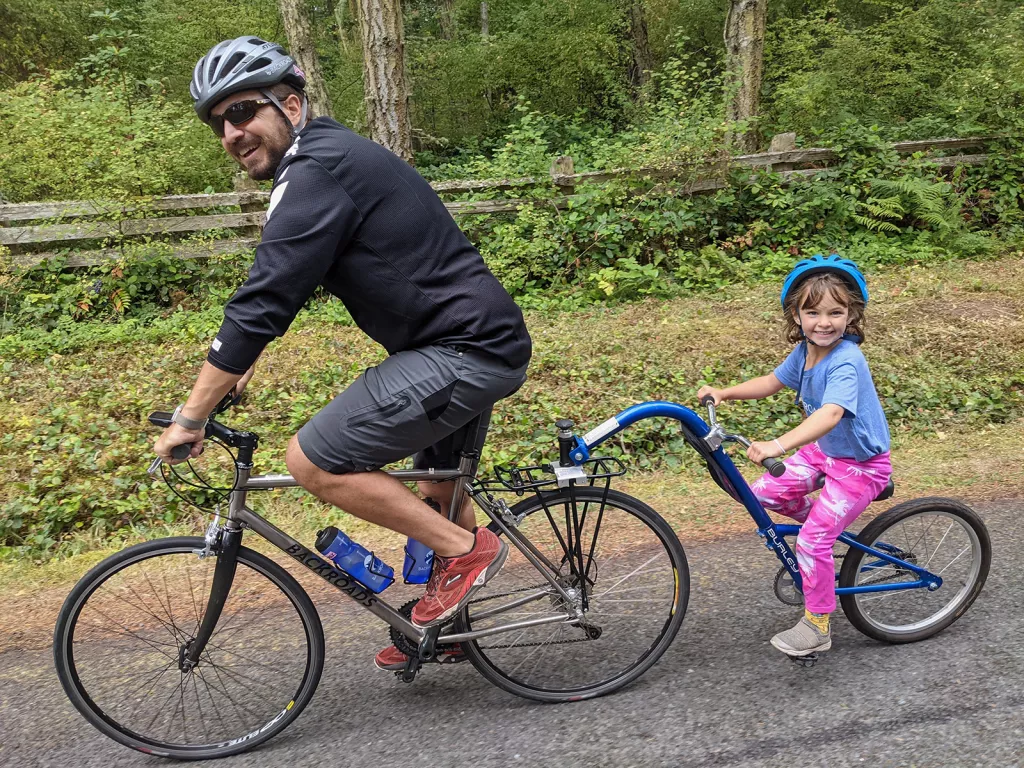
(910, 573)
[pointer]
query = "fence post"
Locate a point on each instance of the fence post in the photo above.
(245, 187)
(782, 142)
(561, 167)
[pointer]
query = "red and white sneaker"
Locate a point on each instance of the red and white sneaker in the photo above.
(391, 659)
(455, 579)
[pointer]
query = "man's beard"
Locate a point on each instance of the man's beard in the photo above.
(274, 147)
(274, 155)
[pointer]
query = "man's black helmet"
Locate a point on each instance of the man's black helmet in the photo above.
(240, 65)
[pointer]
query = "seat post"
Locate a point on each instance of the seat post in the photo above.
(468, 460)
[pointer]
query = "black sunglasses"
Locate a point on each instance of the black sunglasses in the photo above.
(238, 113)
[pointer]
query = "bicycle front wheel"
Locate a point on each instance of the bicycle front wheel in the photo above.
(628, 579)
(124, 631)
(944, 536)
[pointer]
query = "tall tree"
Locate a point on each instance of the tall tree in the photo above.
(446, 15)
(384, 86)
(485, 20)
(295, 15)
(642, 61)
(744, 57)
(340, 13)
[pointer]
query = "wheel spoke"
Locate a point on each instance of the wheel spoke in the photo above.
(256, 669)
(632, 591)
(948, 532)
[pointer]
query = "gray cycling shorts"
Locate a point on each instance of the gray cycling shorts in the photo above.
(420, 402)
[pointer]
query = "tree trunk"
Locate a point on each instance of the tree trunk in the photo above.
(744, 55)
(485, 20)
(446, 15)
(386, 94)
(295, 15)
(340, 7)
(642, 60)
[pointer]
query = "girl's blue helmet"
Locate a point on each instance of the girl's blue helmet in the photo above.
(843, 268)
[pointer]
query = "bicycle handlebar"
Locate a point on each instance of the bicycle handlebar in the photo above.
(179, 452)
(774, 467)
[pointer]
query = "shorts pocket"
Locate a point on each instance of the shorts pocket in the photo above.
(380, 412)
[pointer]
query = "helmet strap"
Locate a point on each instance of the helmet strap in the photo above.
(293, 130)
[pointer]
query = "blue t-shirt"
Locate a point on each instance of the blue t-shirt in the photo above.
(842, 379)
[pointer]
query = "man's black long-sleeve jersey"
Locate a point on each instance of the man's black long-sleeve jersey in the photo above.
(348, 214)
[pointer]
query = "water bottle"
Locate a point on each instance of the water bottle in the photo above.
(354, 559)
(419, 558)
(419, 562)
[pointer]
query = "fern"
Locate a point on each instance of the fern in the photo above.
(910, 200)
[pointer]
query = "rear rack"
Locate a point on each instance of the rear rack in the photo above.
(522, 479)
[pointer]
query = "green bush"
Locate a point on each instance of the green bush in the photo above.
(59, 141)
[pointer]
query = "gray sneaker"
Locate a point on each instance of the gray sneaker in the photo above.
(803, 639)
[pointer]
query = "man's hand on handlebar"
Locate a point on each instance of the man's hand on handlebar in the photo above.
(239, 388)
(176, 435)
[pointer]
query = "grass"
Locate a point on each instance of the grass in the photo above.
(946, 344)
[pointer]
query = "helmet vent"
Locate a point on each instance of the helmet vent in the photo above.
(212, 67)
(233, 62)
(259, 64)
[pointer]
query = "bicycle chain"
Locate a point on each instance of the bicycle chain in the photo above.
(526, 645)
(530, 645)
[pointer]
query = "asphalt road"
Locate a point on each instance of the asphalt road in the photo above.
(721, 696)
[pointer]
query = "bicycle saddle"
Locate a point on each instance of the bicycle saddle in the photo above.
(887, 492)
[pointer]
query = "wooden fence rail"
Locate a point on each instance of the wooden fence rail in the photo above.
(25, 227)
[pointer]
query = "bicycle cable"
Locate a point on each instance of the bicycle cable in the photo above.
(203, 485)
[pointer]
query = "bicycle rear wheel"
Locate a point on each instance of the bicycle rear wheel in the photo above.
(632, 596)
(944, 536)
(122, 634)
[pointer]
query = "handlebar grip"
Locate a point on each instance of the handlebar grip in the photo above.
(707, 400)
(775, 467)
(181, 451)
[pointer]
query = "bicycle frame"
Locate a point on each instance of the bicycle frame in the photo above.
(226, 539)
(771, 532)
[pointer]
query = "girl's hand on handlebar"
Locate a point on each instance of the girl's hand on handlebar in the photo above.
(717, 394)
(759, 451)
(176, 435)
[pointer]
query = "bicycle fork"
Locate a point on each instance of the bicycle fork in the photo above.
(226, 546)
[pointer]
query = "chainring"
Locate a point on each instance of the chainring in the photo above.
(785, 589)
(406, 646)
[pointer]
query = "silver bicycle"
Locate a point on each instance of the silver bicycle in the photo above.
(199, 647)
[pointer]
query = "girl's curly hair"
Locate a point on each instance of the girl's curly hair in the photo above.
(811, 291)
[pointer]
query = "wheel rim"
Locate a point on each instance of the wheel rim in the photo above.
(632, 596)
(125, 645)
(943, 543)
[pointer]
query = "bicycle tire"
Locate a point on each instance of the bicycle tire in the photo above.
(672, 596)
(858, 607)
(110, 581)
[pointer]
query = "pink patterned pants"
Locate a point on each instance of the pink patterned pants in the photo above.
(850, 486)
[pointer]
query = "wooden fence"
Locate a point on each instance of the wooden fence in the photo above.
(39, 231)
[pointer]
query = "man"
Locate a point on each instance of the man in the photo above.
(349, 215)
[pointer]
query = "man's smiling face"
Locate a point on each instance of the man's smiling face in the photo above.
(259, 144)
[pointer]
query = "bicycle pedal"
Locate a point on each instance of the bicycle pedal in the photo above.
(804, 661)
(408, 673)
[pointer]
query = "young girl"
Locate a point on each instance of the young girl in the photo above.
(844, 436)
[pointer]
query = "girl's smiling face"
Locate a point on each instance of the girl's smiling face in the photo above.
(824, 323)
